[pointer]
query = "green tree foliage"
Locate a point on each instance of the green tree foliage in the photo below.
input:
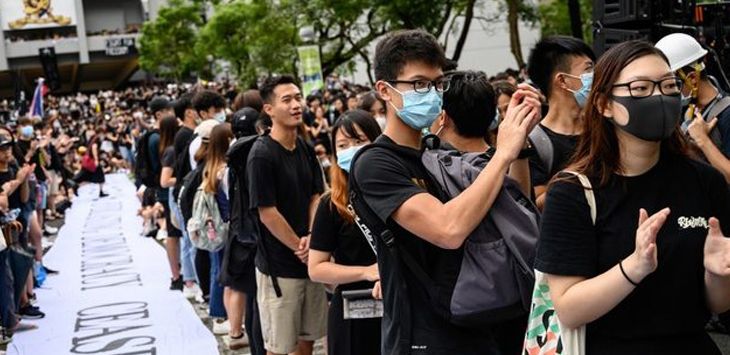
(253, 36)
(259, 37)
(555, 19)
(165, 45)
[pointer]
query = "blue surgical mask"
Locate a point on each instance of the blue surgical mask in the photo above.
(220, 116)
(581, 95)
(419, 110)
(344, 157)
(26, 131)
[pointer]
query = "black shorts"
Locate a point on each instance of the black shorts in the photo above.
(172, 232)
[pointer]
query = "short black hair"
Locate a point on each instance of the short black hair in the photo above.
(267, 88)
(205, 99)
(400, 47)
(312, 97)
(550, 55)
(470, 103)
(185, 102)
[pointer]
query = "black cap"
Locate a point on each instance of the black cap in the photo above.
(244, 122)
(159, 103)
(4, 141)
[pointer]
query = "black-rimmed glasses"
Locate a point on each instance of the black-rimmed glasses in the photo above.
(424, 86)
(645, 88)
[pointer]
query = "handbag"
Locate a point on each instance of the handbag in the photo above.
(545, 333)
(88, 163)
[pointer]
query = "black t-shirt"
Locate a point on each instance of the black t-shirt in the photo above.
(9, 175)
(389, 177)
(168, 157)
(286, 180)
(35, 159)
(183, 137)
(332, 233)
(668, 307)
(563, 149)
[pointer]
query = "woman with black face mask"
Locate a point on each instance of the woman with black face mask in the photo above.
(647, 265)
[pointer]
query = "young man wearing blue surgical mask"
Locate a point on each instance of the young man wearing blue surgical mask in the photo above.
(396, 187)
(562, 68)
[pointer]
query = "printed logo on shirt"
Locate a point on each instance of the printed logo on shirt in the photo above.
(692, 222)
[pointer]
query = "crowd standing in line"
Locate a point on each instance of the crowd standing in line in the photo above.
(326, 217)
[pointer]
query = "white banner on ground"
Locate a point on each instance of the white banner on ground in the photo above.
(111, 296)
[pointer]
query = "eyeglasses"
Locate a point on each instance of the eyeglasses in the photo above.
(645, 88)
(424, 86)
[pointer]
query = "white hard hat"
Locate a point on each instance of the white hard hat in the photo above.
(681, 50)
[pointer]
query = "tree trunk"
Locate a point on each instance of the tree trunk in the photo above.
(464, 30)
(514, 31)
(576, 23)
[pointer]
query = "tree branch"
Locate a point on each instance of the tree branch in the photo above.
(464, 30)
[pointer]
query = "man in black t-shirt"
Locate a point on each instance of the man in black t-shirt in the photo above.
(185, 112)
(562, 68)
(396, 186)
(285, 183)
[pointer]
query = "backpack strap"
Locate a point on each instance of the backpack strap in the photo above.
(370, 221)
(588, 191)
(544, 146)
(717, 108)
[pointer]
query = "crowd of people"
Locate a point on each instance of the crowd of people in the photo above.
(429, 214)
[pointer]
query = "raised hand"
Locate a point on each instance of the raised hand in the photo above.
(644, 259)
(717, 251)
(699, 130)
(514, 128)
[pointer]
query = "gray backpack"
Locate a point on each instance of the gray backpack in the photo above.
(494, 280)
(496, 276)
(544, 147)
(206, 227)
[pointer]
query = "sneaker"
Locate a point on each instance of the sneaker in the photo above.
(221, 326)
(5, 336)
(176, 285)
(161, 234)
(199, 298)
(151, 233)
(50, 271)
(31, 312)
(191, 292)
(236, 343)
(50, 230)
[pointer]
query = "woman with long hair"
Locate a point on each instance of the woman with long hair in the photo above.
(215, 181)
(169, 126)
(644, 270)
(335, 234)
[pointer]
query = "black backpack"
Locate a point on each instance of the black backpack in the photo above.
(190, 185)
(494, 281)
(143, 162)
(244, 226)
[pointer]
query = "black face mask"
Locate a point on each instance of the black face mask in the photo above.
(653, 118)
